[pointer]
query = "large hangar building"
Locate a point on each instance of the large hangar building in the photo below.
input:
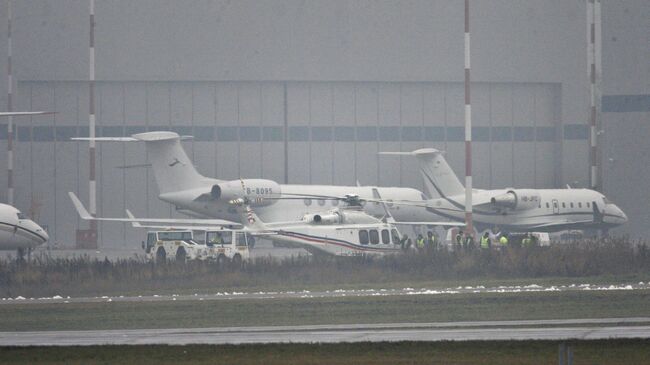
(330, 83)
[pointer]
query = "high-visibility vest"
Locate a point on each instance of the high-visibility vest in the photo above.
(485, 242)
(420, 242)
(503, 241)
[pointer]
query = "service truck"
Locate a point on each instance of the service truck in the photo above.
(174, 245)
(224, 246)
(229, 246)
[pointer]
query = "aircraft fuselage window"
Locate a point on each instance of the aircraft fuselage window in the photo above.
(363, 237)
(385, 237)
(588, 205)
(321, 202)
(307, 202)
(563, 205)
(547, 206)
(571, 204)
(335, 203)
(554, 204)
(374, 236)
(579, 204)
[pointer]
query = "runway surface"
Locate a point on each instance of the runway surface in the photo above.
(336, 293)
(457, 331)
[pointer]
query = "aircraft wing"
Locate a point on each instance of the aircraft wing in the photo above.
(18, 114)
(167, 222)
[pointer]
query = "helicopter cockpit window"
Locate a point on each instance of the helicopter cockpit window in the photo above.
(374, 236)
(363, 237)
(395, 235)
(385, 237)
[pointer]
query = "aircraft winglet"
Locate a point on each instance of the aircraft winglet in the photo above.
(135, 223)
(83, 212)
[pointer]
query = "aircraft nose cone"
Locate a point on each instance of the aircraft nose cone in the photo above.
(617, 214)
(45, 235)
(623, 215)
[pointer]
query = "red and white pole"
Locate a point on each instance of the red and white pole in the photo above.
(92, 186)
(10, 124)
(593, 55)
(468, 130)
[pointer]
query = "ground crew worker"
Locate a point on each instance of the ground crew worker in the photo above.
(485, 241)
(468, 242)
(459, 239)
(419, 242)
(527, 241)
(503, 240)
(432, 240)
(405, 242)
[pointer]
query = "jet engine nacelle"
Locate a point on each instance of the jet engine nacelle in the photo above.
(256, 191)
(519, 199)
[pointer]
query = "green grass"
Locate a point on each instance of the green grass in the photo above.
(629, 352)
(255, 312)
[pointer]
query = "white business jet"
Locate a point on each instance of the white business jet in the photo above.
(203, 197)
(514, 210)
(17, 232)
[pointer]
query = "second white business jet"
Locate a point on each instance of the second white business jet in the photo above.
(515, 210)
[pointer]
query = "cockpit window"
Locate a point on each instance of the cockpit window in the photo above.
(21, 215)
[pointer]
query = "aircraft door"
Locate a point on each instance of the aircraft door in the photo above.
(556, 207)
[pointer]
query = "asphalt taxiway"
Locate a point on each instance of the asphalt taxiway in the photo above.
(584, 329)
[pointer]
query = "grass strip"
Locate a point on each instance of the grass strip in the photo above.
(489, 352)
(313, 311)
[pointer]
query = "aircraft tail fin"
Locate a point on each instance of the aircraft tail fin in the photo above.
(439, 179)
(250, 219)
(172, 168)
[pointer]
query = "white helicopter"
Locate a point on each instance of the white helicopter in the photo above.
(342, 231)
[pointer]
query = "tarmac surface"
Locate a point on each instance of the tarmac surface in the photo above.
(589, 329)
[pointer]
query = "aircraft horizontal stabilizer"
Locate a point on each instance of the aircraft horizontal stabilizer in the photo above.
(105, 139)
(440, 224)
(212, 223)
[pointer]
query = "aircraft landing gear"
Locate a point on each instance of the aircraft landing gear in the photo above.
(20, 255)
